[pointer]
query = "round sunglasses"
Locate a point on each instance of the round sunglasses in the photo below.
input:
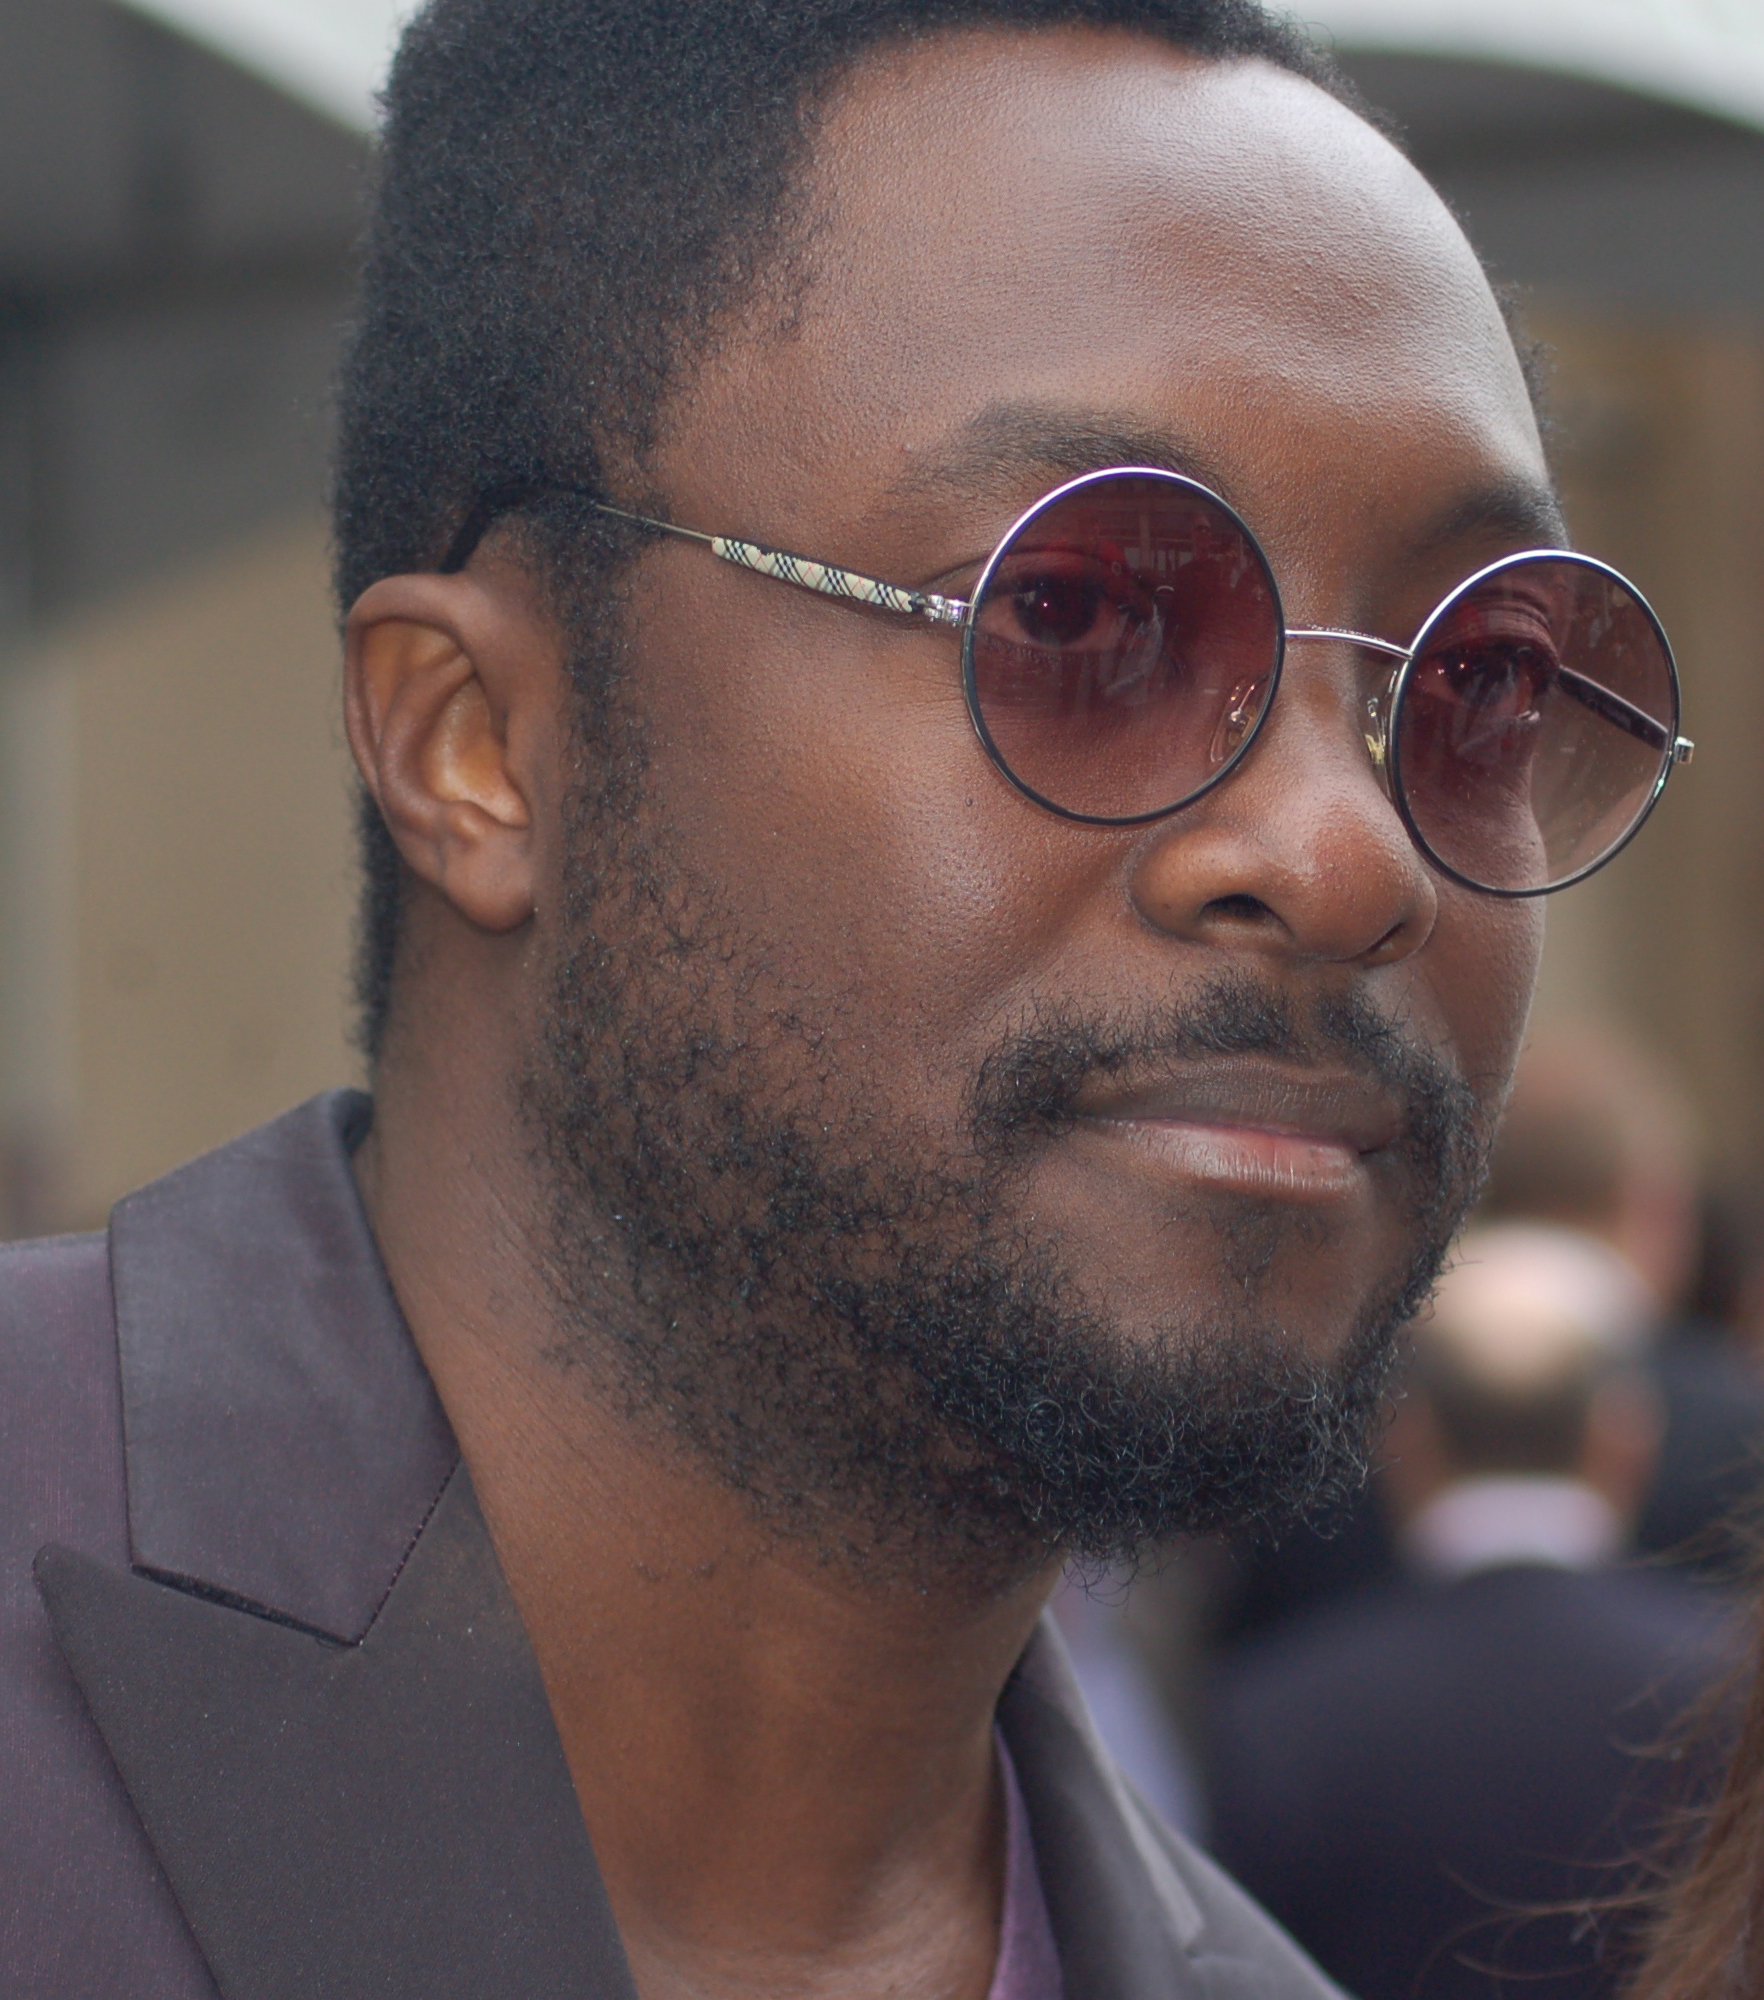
(1123, 645)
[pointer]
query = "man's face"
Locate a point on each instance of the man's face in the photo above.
(864, 1067)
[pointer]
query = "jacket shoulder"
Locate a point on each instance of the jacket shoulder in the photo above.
(60, 1403)
(85, 1913)
(59, 1274)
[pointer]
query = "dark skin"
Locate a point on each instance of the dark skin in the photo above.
(1041, 253)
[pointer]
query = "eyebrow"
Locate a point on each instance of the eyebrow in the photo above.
(1009, 444)
(1517, 509)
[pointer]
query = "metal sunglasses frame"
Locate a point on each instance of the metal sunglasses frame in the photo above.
(1383, 733)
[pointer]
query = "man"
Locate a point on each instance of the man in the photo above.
(893, 1066)
(1444, 1788)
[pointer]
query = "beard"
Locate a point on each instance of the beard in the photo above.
(856, 1326)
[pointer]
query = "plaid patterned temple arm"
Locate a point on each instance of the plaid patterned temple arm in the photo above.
(808, 575)
(799, 570)
(839, 582)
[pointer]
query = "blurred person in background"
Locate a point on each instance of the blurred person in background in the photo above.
(1436, 1785)
(1598, 1137)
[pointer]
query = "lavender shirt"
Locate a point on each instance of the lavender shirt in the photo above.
(1028, 1960)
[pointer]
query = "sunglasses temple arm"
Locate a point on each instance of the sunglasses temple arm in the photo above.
(842, 583)
(1623, 715)
(807, 575)
(1609, 707)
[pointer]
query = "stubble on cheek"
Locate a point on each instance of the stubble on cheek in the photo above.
(764, 1244)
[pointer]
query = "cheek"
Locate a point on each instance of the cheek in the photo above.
(1480, 967)
(817, 770)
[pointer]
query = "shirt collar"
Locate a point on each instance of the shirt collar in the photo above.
(1491, 1523)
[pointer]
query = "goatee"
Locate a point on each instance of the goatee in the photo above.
(864, 1337)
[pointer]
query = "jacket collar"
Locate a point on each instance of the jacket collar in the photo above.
(284, 1443)
(315, 1685)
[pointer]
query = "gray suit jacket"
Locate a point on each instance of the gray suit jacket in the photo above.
(269, 1724)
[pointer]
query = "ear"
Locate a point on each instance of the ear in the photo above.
(450, 685)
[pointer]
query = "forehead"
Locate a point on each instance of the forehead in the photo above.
(1090, 221)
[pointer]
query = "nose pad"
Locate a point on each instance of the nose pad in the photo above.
(1377, 732)
(1242, 709)
(1380, 713)
(1376, 714)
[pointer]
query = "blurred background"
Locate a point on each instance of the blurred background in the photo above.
(180, 187)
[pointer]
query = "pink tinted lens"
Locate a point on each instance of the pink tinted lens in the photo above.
(1124, 646)
(1536, 724)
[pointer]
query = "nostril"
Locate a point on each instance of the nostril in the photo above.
(1239, 909)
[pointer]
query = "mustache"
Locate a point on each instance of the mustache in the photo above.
(1030, 1085)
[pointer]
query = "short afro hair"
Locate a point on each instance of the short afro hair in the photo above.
(570, 193)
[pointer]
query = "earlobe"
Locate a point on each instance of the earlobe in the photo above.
(429, 701)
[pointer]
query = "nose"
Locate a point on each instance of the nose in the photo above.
(1300, 851)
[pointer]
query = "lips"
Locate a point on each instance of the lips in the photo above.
(1264, 1127)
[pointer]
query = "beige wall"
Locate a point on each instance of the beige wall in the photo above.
(1662, 462)
(177, 939)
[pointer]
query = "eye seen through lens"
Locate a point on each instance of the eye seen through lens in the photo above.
(1534, 725)
(1124, 646)
(1126, 642)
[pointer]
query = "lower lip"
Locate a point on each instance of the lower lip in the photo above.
(1246, 1158)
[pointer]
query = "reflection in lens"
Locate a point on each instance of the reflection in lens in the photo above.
(1124, 646)
(1535, 723)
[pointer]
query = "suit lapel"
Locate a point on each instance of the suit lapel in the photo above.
(284, 1441)
(1126, 1923)
(312, 1679)
(1138, 1913)
(392, 1818)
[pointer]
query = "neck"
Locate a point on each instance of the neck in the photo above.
(787, 1770)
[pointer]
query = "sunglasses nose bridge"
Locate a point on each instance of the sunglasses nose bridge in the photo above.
(1375, 711)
